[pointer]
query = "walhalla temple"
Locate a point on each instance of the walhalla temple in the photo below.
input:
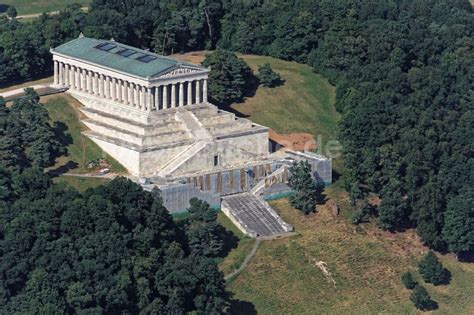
(151, 113)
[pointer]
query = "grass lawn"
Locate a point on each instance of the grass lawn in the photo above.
(24, 7)
(81, 150)
(366, 264)
(80, 183)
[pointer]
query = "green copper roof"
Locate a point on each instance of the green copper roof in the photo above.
(119, 57)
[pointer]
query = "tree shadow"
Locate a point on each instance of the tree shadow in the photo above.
(239, 307)
(252, 87)
(320, 196)
(467, 257)
(60, 132)
(229, 241)
(3, 7)
(63, 168)
(335, 175)
(228, 108)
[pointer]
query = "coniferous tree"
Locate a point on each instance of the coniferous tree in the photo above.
(267, 77)
(392, 209)
(304, 187)
(432, 270)
(408, 281)
(422, 300)
(230, 77)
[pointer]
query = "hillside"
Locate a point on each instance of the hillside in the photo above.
(366, 264)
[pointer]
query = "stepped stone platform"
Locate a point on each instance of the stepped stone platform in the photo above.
(253, 215)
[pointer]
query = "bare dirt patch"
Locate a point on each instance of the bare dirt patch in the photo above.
(298, 141)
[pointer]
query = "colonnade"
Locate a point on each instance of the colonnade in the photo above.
(164, 96)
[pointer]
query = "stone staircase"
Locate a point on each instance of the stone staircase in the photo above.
(254, 216)
(182, 158)
(198, 133)
(260, 186)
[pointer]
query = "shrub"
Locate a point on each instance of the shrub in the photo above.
(422, 299)
(267, 77)
(408, 281)
(432, 270)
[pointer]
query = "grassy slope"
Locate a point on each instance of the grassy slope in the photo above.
(79, 183)
(237, 255)
(366, 264)
(82, 150)
(39, 6)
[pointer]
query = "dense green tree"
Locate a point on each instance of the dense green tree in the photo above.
(112, 249)
(422, 299)
(392, 210)
(11, 12)
(267, 77)
(408, 281)
(458, 229)
(304, 187)
(432, 270)
(230, 77)
(202, 229)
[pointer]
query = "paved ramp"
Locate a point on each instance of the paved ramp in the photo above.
(253, 215)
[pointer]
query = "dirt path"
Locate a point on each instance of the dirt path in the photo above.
(246, 260)
(254, 251)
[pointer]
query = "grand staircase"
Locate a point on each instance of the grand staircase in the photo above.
(198, 132)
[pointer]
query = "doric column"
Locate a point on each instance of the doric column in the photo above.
(113, 89)
(173, 95)
(143, 99)
(89, 81)
(56, 74)
(66, 74)
(83, 79)
(149, 99)
(204, 91)
(95, 84)
(165, 97)
(181, 94)
(107, 87)
(71, 76)
(101, 85)
(136, 97)
(118, 91)
(189, 97)
(61, 73)
(123, 91)
(76, 78)
(198, 91)
(129, 93)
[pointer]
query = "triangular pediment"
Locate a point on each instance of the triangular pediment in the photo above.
(180, 70)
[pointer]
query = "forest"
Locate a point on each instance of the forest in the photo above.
(404, 73)
(111, 249)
